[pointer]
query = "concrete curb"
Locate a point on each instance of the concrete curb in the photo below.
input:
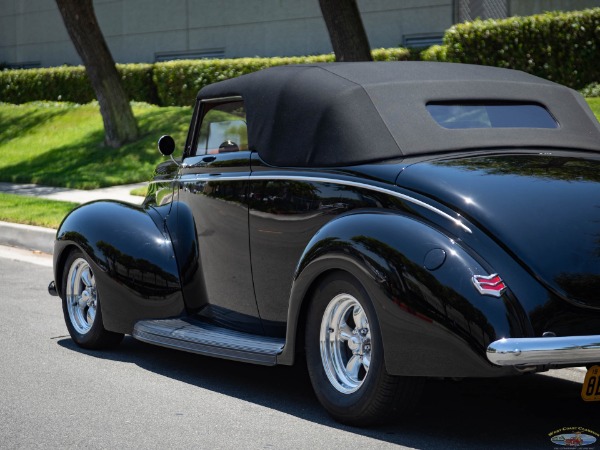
(42, 239)
(27, 236)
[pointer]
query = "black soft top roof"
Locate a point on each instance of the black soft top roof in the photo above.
(339, 114)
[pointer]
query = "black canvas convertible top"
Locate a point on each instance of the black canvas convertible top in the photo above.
(339, 114)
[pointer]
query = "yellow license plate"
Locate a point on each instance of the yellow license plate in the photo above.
(590, 391)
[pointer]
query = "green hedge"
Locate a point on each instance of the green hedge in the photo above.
(138, 83)
(559, 46)
(173, 83)
(56, 83)
(178, 82)
(591, 90)
(71, 84)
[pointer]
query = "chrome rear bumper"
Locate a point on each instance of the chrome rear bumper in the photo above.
(568, 350)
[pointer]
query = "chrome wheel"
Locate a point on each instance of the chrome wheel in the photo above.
(345, 343)
(345, 359)
(81, 296)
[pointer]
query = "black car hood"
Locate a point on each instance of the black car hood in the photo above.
(543, 207)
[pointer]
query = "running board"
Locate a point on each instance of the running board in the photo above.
(207, 339)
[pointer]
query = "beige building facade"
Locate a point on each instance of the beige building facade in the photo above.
(32, 33)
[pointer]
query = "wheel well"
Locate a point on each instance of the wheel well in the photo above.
(60, 266)
(302, 316)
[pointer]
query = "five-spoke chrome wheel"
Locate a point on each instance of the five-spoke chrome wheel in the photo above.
(345, 343)
(82, 306)
(82, 297)
(344, 355)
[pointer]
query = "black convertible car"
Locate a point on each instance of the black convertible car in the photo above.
(385, 221)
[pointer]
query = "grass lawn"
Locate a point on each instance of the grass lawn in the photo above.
(139, 191)
(595, 105)
(33, 211)
(61, 144)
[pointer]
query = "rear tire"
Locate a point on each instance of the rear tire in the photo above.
(345, 360)
(81, 305)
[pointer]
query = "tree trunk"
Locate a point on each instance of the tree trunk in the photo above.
(80, 20)
(346, 31)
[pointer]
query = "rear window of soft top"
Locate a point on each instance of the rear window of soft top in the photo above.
(459, 115)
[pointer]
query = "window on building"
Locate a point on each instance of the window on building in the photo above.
(213, 53)
(468, 10)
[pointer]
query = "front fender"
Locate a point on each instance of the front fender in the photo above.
(432, 319)
(132, 259)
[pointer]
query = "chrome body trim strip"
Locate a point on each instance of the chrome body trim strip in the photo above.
(576, 350)
(217, 177)
(231, 98)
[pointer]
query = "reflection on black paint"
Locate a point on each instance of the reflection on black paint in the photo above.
(543, 208)
(539, 166)
(284, 216)
(284, 197)
(564, 319)
(137, 273)
(580, 286)
(296, 197)
(422, 294)
(224, 277)
(80, 239)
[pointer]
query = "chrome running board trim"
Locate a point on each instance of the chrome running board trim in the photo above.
(207, 339)
(567, 350)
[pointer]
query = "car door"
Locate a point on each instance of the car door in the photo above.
(213, 186)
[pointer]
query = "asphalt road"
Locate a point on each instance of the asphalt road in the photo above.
(55, 395)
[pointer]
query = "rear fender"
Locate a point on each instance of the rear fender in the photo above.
(433, 321)
(131, 256)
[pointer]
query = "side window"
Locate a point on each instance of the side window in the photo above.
(223, 128)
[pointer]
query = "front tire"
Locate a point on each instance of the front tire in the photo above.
(81, 305)
(344, 353)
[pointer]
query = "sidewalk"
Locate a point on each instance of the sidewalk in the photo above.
(41, 239)
(75, 195)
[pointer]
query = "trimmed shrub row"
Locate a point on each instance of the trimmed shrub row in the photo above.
(559, 46)
(71, 84)
(591, 90)
(173, 83)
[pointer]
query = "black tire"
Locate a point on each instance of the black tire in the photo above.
(81, 305)
(359, 397)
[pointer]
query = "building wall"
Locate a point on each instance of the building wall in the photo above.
(528, 7)
(32, 31)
